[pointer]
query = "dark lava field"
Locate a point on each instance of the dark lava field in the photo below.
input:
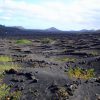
(50, 67)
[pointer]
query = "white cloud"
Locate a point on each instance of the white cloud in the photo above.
(77, 11)
(1, 10)
(5, 18)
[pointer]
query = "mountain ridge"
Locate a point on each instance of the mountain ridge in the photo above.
(50, 30)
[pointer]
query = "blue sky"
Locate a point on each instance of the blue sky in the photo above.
(42, 14)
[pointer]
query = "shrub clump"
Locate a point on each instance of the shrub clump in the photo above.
(8, 67)
(5, 65)
(23, 41)
(6, 95)
(4, 88)
(94, 53)
(5, 59)
(15, 95)
(46, 40)
(62, 93)
(4, 91)
(81, 73)
(65, 59)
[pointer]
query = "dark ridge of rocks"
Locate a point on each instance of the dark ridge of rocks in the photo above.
(30, 76)
(11, 71)
(14, 79)
(98, 80)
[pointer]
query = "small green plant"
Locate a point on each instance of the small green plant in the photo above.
(15, 95)
(81, 73)
(8, 67)
(4, 88)
(6, 95)
(65, 59)
(5, 65)
(5, 59)
(46, 40)
(62, 93)
(23, 41)
(94, 53)
(1, 76)
(4, 91)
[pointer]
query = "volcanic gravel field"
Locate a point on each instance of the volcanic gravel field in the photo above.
(43, 75)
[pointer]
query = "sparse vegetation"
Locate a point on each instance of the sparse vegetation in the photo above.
(81, 73)
(4, 91)
(62, 93)
(15, 95)
(1, 77)
(23, 41)
(94, 53)
(6, 66)
(4, 88)
(6, 95)
(65, 59)
(46, 40)
(5, 59)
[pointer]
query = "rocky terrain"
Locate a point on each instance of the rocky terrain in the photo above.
(44, 64)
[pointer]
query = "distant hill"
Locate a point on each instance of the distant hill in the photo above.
(18, 30)
(18, 27)
(53, 29)
(84, 30)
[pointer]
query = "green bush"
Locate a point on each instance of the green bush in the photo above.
(65, 59)
(80, 73)
(23, 41)
(94, 53)
(4, 88)
(4, 91)
(5, 65)
(46, 40)
(15, 95)
(6, 95)
(8, 67)
(5, 59)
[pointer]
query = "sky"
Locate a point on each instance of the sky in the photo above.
(43, 14)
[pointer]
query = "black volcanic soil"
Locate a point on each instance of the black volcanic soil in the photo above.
(41, 77)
